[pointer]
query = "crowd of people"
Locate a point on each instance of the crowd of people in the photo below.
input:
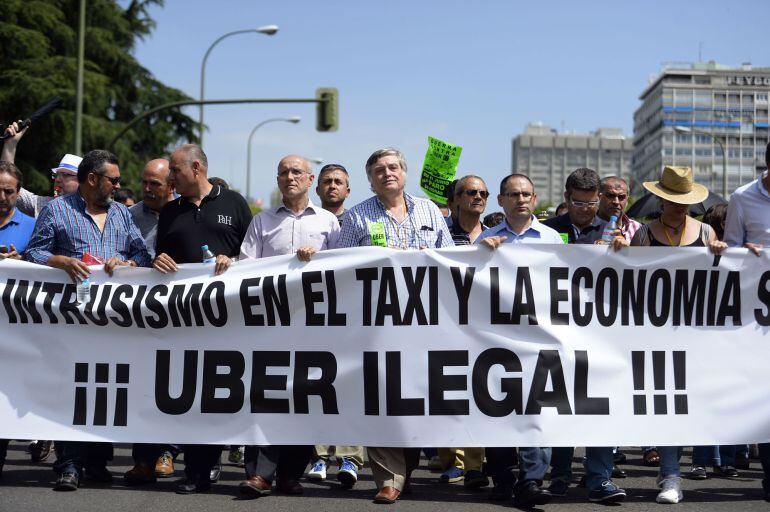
(184, 208)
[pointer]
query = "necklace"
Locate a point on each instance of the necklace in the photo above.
(674, 229)
(681, 237)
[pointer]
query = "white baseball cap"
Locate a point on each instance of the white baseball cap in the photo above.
(68, 163)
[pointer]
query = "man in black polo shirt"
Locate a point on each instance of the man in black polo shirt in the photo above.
(582, 196)
(205, 214)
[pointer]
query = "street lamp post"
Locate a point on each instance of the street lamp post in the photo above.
(294, 119)
(267, 30)
(683, 129)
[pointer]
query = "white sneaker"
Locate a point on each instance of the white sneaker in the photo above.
(318, 471)
(670, 490)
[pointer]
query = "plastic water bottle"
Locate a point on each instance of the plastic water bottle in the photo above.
(609, 228)
(208, 256)
(83, 291)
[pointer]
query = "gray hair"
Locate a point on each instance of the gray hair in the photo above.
(381, 153)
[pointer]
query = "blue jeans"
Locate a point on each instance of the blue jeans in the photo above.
(669, 461)
(598, 464)
(706, 456)
(533, 464)
(561, 463)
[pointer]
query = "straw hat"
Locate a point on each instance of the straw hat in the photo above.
(676, 184)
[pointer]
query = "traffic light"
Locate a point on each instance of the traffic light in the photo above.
(326, 109)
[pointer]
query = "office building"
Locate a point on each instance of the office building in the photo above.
(548, 157)
(690, 111)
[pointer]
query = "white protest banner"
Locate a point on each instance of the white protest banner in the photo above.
(525, 346)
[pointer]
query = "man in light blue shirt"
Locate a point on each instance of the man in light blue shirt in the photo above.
(518, 199)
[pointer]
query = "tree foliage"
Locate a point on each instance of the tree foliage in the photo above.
(38, 60)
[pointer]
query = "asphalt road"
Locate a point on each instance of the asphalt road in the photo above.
(26, 486)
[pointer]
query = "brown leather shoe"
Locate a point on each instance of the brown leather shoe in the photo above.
(140, 474)
(254, 487)
(164, 466)
(292, 487)
(387, 495)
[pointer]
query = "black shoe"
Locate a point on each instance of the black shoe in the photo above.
(558, 488)
(188, 486)
(619, 457)
(767, 495)
(99, 474)
(40, 450)
(529, 495)
(215, 473)
(501, 492)
(618, 473)
(67, 482)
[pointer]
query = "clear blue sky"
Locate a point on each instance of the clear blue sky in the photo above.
(470, 73)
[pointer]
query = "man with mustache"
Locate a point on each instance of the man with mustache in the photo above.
(157, 190)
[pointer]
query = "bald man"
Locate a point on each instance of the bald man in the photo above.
(156, 192)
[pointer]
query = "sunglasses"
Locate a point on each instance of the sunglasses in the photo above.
(472, 193)
(114, 180)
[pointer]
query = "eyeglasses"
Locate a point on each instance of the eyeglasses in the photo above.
(514, 195)
(115, 180)
(472, 193)
(294, 173)
(583, 204)
(63, 175)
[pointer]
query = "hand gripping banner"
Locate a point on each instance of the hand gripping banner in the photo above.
(525, 346)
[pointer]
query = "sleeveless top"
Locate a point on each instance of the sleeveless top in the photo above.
(646, 237)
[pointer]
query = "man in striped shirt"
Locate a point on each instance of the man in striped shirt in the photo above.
(392, 218)
(88, 221)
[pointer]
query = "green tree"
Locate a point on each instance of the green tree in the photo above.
(38, 61)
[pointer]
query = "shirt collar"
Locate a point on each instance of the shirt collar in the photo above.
(409, 200)
(310, 206)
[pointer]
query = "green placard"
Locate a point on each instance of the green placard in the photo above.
(377, 234)
(439, 168)
(564, 237)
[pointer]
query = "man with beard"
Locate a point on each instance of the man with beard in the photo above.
(87, 221)
(333, 188)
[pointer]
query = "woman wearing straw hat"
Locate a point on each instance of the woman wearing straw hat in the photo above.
(675, 228)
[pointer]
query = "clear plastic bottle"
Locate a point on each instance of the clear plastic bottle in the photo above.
(609, 228)
(208, 256)
(84, 291)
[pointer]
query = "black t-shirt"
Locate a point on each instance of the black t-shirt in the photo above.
(563, 224)
(220, 222)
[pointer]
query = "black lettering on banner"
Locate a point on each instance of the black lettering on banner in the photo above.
(154, 305)
(689, 297)
(136, 307)
(312, 297)
(763, 294)
(249, 301)
(334, 317)
(606, 275)
(232, 381)
(69, 305)
(548, 363)
(163, 400)
(637, 367)
(276, 300)
(367, 275)
(496, 315)
(633, 296)
(81, 394)
(730, 305)
(438, 383)
(118, 306)
(120, 418)
(387, 300)
(6, 298)
(396, 405)
(581, 318)
(712, 300)
(261, 381)
(659, 381)
(323, 387)
(558, 295)
(51, 290)
(24, 300)
(661, 278)
(187, 306)
(433, 295)
(371, 384)
(463, 284)
(414, 302)
(511, 386)
(100, 316)
(585, 404)
(523, 299)
(215, 294)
